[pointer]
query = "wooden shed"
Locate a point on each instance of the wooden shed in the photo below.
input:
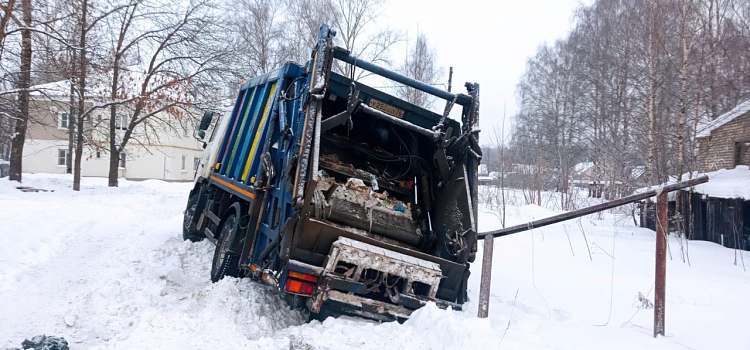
(717, 211)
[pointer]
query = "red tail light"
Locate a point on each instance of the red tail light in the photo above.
(303, 276)
(299, 287)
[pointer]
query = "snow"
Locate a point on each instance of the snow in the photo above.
(581, 167)
(705, 130)
(106, 268)
(131, 81)
(727, 183)
(723, 183)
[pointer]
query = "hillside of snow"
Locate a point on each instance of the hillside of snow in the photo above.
(106, 268)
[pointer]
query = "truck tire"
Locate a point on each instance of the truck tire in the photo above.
(188, 228)
(225, 260)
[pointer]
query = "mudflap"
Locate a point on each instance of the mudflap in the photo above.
(368, 281)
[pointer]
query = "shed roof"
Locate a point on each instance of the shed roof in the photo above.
(723, 183)
(741, 109)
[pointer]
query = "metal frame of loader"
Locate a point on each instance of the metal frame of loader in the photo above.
(277, 207)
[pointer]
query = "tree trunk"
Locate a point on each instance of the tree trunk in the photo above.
(114, 152)
(19, 135)
(82, 98)
(114, 164)
(651, 161)
(71, 113)
(683, 100)
(4, 22)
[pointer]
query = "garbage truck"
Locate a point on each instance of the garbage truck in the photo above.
(346, 198)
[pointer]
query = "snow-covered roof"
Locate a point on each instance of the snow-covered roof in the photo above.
(58, 89)
(741, 109)
(581, 167)
(130, 86)
(724, 183)
(637, 172)
(727, 183)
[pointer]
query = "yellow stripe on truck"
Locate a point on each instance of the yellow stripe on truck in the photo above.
(258, 132)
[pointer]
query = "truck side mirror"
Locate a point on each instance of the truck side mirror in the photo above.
(206, 121)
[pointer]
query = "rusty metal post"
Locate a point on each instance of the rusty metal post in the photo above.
(484, 288)
(592, 209)
(662, 226)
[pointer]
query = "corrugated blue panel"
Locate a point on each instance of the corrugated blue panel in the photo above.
(247, 136)
(228, 136)
(234, 161)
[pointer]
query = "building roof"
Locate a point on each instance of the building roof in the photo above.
(723, 183)
(582, 167)
(130, 86)
(727, 183)
(741, 109)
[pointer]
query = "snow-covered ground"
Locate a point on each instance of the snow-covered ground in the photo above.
(106, 268)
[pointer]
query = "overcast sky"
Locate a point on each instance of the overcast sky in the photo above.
(486, 42)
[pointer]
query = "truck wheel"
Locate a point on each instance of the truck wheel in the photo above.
(225, 261)
(188, 229)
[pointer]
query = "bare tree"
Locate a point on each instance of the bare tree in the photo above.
(182, 49)
(19, 135)
(4, 20)
(632, 82)
(260, 35)
(420, 64)
(357, 32)
(304, 17)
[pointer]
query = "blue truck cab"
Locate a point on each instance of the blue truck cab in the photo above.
(344, 197)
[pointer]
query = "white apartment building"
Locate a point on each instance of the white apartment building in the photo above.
(156, 152)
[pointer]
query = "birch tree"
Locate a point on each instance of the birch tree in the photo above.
(647, 74)
(357, 32)
(420, 64)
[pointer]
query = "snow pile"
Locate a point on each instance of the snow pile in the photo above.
(106, 268)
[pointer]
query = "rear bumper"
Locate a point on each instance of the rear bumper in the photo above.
(351, 303)
(370, 281)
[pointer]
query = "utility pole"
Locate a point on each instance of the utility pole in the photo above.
(450, 79)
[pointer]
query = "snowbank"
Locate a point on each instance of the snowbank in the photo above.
(106, 268)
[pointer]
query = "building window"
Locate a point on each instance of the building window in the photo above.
(63, 121)
(183, 168)
(196, 163)
(122, 160)
(98, 153)
(121, 122)
(62, 157)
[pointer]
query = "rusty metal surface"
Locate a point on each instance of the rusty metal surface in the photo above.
(662, 229)
(433, 135)
(592, 209)
(453, 219)
(346, 279)
(347, 207)
(484, 289)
